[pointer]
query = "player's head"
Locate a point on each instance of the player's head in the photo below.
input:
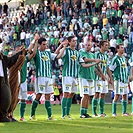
(88, 46)
(120, 48)
(72, 41)
(104, 45)
(42, 43)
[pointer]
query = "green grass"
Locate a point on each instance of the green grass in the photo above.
(109, 124)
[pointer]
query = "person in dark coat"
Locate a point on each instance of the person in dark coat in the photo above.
(5, 93)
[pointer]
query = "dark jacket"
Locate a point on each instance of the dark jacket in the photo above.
(7, 62)
(5, 92)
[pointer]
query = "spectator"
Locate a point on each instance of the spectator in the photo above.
(5, 9)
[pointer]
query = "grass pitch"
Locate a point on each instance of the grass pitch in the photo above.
(108, 124)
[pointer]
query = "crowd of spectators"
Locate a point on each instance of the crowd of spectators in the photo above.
(111, 21)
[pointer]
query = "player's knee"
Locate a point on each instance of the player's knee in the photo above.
(47, 96)
(86, 96)
(96, 95)
(116, 97)
(65, 94)
(23, 100)
(38, 96)
(102, 96)
(124, 97)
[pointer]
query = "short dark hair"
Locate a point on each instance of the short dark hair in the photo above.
(118, 46)
(102, 43)
(70, 38)
(41, 40)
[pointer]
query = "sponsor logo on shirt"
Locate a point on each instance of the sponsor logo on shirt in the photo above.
(44, 57)
(73, 57)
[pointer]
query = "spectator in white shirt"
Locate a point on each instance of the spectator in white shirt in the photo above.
(27, 40)
(125, 42)
(22, 36)
(1, 23)
(111, 32)
(56, 32)
(98, 37)
(125, 19)
(113, 45)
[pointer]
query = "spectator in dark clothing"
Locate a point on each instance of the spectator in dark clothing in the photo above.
(0, 9)
(65, 8)
(5, 9)
(88, 6)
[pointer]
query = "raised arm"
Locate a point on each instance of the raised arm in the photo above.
(31, 46)
(32, 54)
(64, 44)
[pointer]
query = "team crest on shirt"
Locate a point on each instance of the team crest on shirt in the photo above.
(44, 57)
(73, 57)
(41, 87)
(104, 62)
(123, 65)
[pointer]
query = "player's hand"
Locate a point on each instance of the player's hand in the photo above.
(110, 81)
(64, 43)
(29, 51)
(36, 37)
(98, 61)
(103, 77)
(22, 48)
(130, 79)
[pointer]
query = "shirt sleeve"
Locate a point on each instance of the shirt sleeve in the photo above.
(63, 53)
(131, 63)
(53, 56)
(81, 60)
(27, 59)
(82, 55)
(95, 55)
(113, 65)
(131, 60)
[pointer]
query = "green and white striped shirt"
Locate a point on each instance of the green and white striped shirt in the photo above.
(104, 64)
(119, 67)
(43, 63)
(71, 60)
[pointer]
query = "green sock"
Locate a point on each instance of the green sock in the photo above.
(86, 110)
(22, 109)
(114, 107)
(124, 106)
(132, 104)
(82, 110)
(34, 106)
(69, 103)
(63, 105)
(101, 103)
(48, 108)
(94, 105)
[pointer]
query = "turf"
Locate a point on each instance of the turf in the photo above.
(109, 124)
